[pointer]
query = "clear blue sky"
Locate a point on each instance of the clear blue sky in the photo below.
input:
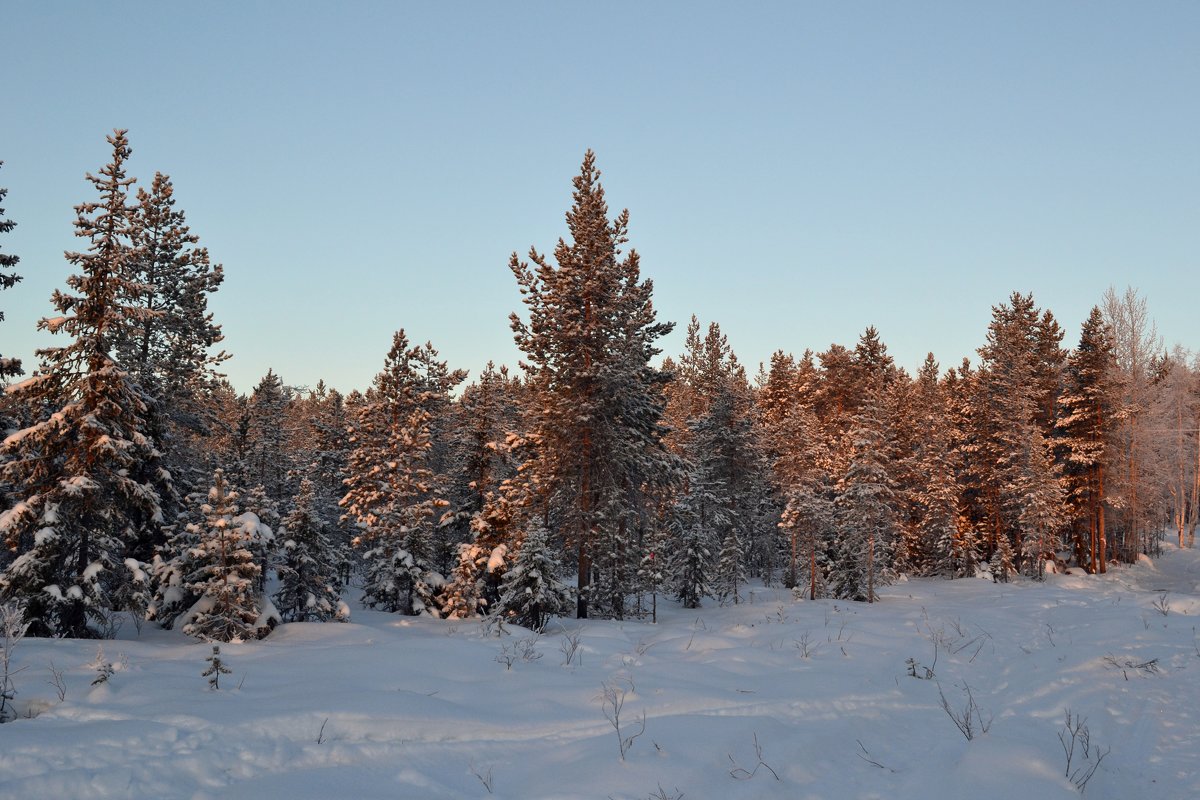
(794, 171)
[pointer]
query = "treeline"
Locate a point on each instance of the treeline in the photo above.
(135, 479)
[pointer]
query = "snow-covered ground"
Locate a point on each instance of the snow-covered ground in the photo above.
(395, 707)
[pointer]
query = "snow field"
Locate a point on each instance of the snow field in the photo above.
(395, 707)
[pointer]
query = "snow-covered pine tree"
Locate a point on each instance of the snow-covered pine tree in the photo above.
(261, 541)
(906, 407)
(1002, 564)
(810, 529)
(9, 367)
(484, 489)
(173, 563)
(1015, 387)
(934, 495)
(270, 460)
(87, 475)
(532, 592)
(327, 424)
(223, 573)
(690, 565)
(1087, 416)
(652, 571)
(309, 587)
(597, 402)
(329, 454)
(166, 345)
(730, 574)
(721, 450)
(1038, 492)
(864, 511)
(706, 369)
(794, 440)
(389, 483)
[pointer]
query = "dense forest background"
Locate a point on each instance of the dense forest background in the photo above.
(135, 479)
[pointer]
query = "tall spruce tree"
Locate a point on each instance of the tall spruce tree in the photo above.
(943, 545)
(1016, 383)
(309, 587)
(87, 474)
(1087, 417)
(270, 459)
(598, 402)
(389, 485)
(166, 345)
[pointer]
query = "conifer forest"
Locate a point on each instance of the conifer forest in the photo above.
(601, 479)
(595, 476)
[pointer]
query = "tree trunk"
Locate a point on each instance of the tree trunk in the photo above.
(812, 567)
(1100, 523)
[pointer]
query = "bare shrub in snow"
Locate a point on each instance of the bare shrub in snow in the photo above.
(969, 719)
(57, 681)
(806, 645)
(1083, 758)
(569, 647)
(613, 702)
(523, 650)
(485, 777)
(1126, 664)
(740, 773)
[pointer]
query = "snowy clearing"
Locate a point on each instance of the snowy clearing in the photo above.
(771, 698)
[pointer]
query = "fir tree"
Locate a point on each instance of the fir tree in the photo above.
(1015, 385)
(171, 566)
(941, 545)
(270, 461)
(1039, 496)
(690, 565)
(309, 588)
(484, 489)
(864, 512)
(731, 570)
(531, 592)
(88, 477)
(261, 538)
(652, 572)
(223, 572)
(390, 491)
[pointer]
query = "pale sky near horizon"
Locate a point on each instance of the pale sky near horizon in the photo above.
(794, 171)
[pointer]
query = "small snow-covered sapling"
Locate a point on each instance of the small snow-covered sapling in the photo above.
(104, 668)
(216, 668)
